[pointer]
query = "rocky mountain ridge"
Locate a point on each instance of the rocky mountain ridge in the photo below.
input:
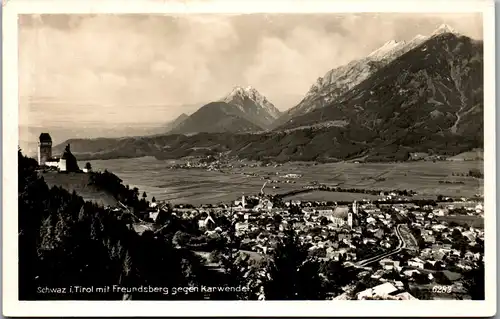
(343, 78)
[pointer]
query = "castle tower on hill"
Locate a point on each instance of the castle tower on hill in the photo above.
(66, 163)
(44, 148)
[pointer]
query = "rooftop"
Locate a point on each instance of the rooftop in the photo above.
(45, 137)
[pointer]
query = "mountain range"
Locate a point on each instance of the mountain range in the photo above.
(342, 79)
(424, 95)
(242, 110)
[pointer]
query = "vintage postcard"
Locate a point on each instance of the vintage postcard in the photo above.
(248, 158)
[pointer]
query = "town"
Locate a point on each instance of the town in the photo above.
(394, 247)
(399, 248)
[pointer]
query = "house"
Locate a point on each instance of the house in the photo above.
(389, 264)
(439, 227)
(154, 215)
(379, 233)
(240, 227)
(382, 290)
(371, 220)
(378, 274)
(344, 236)
(410, 273)
(464, 265)
(369, 240)
(207, 223)
(416, 262)
(405, 296)
(429, 239)
(343, 296)
(447, 247)
(398, 284)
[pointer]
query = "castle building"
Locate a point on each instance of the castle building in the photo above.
(67, 162)
(44, 149)
(58, 163)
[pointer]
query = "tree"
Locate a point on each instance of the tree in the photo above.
(65, 241)
(421, 279)
(474, 283)
(144, 195)
(88, 166)
(295, 210)
(456, 234)
(292, 275)
(324, 221)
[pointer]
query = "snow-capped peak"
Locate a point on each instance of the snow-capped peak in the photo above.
(249, 90)
(420, 37)
(444, 28)
(388, 47)
(238, 94)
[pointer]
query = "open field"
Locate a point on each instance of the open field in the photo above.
(330, 196)
(474, 221)
(79, 183)
(197, 186)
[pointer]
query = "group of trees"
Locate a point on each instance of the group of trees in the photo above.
(402, 192)
(292, 275)
(66, 242)
(123, 193)
(289, 272)
(476, 173)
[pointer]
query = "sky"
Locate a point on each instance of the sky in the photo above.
(113, 70)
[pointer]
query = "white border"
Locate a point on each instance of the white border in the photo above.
(12, 307)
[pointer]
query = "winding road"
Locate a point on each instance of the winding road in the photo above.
(401, 246)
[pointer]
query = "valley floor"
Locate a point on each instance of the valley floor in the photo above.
(197, 185)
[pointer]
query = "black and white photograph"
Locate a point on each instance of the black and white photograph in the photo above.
(253, 156)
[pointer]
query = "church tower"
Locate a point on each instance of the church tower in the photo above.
(350, 214)
(44, 148)
(349, 219)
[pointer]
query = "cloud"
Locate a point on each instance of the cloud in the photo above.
(130, 68)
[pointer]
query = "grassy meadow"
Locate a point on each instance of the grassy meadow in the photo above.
(197, 186)
(79, 182)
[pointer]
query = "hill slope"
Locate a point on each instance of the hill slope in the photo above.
(430, 96)
(173, 124)
(80, 183)
(216, 117)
